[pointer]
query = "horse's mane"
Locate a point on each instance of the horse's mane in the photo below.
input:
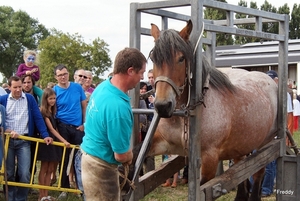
(170, 42)
(218, 80)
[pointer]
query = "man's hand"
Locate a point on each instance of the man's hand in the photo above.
(81, 128)
(14, 134)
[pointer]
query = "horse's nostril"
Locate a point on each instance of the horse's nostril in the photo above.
(164, 109)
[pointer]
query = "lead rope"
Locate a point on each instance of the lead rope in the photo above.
(186, 119)
(125, 177)
(189, 70)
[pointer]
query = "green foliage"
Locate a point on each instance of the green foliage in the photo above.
(18, 32)
(269, 26)
(215, 14)
(243, 39)
(295, 22)
(72, 51)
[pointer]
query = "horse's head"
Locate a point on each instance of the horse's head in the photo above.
(171, 57)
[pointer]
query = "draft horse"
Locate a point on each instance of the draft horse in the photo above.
(237, 115)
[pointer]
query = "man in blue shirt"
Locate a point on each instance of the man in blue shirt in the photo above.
(71, 106)
(108, 127)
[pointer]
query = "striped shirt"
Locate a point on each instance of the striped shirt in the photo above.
(17, 114)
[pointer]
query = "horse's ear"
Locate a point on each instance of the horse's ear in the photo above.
(155, 31)
(186, 31)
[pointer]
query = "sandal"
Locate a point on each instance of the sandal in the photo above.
(72, 184)
(167, 184)
(53, 181)
(48, 198)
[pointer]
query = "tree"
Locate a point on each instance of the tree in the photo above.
(215, 14)
(72, 51)
(243, 39)
(269, 26)
(295, 22)
(18, 32)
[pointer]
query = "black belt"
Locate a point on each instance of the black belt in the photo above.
(69, 125)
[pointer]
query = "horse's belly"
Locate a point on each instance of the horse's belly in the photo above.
(235, 125)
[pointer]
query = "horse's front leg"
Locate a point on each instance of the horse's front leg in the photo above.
(209, 167)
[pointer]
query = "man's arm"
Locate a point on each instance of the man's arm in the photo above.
(37, 117)
(83, 108)
(124, 158)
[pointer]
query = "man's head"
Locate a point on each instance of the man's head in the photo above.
(5, 85)
(61, 74)
(273, 75)
(130, 62)
(290, 83)
(79, 76)
(89, 78)
(151, 78)
(15, 86)
(27, 84)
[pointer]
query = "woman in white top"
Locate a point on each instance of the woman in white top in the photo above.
(296, 111)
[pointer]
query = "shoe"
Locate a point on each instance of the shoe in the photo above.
(63, 195)
(73, 184)
(174, 185)
(184, 181)
(167, 184)
(53, 181)
(48, 198)
(33, 191)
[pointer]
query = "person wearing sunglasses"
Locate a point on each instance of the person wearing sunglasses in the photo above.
(30, 68)
(79, 76)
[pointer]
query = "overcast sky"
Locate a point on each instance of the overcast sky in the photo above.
(108, 20)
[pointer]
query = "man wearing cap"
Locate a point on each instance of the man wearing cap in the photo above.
(270, 171)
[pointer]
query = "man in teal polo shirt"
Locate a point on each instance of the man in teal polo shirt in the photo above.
(108, 128)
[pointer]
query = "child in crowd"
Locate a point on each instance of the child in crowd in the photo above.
(49, 155)
(175, 176)
(29, 68)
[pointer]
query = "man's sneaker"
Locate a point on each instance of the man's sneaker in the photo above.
(63, 195)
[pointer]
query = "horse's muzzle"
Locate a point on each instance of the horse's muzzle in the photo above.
(164, 109)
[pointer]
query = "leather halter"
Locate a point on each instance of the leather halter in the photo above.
(178, 90)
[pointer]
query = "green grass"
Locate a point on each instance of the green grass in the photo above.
(161, 193)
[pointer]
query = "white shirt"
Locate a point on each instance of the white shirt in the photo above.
(289, 103)
(2, 91)
(296, 104)
(17, 114)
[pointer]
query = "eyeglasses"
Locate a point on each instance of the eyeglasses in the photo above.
(64, 74)
(82, 76)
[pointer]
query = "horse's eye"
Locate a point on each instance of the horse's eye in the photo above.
(181, 59)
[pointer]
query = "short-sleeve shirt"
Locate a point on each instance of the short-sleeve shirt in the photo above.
(109, 122)
(68, 103)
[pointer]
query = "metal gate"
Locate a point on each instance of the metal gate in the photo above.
(288, 166)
